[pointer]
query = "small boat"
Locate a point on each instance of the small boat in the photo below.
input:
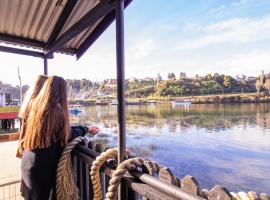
(184, 102)
(102, 102)
(75, 111)
(114, 102)
(151, 101)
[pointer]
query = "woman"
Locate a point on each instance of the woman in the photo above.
(31, 94)
(47, 132)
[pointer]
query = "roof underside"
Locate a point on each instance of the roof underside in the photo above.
(48, 26)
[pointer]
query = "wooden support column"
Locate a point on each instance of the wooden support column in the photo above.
(45, 66)
(120, 59)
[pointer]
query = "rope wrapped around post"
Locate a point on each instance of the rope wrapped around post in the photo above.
(117, 175)
(66, 188)
(125, 166)
(94, 173)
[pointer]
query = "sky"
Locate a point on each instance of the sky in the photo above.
(196, 37)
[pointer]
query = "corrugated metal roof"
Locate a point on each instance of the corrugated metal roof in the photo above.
(35, 20)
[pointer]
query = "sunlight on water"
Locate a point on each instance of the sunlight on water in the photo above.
(218, 144)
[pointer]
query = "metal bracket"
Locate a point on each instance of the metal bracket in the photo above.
(87, 137)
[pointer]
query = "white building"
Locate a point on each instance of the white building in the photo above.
(2, 98)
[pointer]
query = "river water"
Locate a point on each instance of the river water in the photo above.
(227, 145)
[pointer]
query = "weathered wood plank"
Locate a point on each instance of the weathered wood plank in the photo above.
(205, 193)
(9, 137)
(253, 195)
(148, 191)
(190, 185)
(166, 175)
(219, 192)
(243, 196)
(264, 196)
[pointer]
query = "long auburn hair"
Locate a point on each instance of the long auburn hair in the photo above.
(48, 121)
(24, 112)
(30, 96)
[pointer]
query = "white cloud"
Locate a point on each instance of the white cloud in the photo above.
(167, 27)
(140, 49)
(218, 10)
(240, 2)
(250, 63)
(234, 31)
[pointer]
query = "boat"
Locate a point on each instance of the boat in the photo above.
(75, 111)
(114, 102)
(184, 102)
(101, 102)
(151, 102)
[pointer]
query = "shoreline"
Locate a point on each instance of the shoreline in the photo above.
(206, 99)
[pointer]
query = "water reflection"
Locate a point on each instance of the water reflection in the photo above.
(219, 144)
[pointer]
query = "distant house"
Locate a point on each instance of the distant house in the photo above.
(4, 98)
(111, 81)
(187, 79)
(132, 79)
(147, 79)
(251, 78)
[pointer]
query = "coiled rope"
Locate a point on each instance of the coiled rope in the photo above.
(94, 173)
(129, 164)
(117, 175)
(66, 188)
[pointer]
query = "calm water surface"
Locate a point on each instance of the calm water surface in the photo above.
(218, 144)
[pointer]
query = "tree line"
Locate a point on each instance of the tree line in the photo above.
(172, 86)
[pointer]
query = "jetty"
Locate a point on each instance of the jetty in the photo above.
(43, 28)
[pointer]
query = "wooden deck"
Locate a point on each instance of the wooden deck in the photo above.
(9, 137)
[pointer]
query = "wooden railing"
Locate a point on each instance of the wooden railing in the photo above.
(10, 190)
(145, 184)
(9, 137)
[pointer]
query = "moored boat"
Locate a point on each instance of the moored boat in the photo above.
(184, 102)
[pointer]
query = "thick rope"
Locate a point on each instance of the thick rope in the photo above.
(94, 173)
(117, 175)
(99, 161)
(66, 188)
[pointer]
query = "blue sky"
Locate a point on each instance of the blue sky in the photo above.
(196, 37)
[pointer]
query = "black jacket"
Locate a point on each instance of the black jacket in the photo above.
(39, 169)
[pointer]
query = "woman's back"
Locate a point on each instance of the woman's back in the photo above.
(39, 168)
(39, 172)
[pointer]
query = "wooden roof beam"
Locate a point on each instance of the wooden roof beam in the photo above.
(102, 26)
(21, 40)
(61, 21)
(21, 51)
(101, 9)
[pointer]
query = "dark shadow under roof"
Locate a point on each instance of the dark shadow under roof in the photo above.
(48, 26)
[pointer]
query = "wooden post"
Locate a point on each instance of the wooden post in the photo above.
(120, 59)
(45, 60)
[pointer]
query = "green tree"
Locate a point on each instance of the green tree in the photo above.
(258, 85)
(227, 81)
(267, 84)
(171, 76)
